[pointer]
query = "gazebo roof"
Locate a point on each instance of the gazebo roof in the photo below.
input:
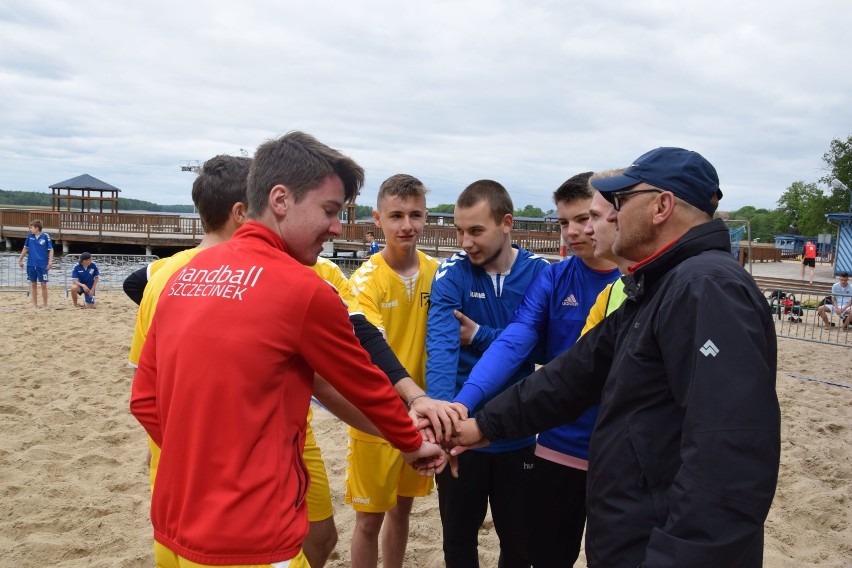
(84, 181)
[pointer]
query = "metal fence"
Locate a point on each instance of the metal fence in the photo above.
(796, 314)
(348, 265)
(113, 268)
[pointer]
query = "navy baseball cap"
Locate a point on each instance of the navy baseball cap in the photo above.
(685, 173)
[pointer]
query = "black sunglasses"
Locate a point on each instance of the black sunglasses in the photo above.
(617, 198)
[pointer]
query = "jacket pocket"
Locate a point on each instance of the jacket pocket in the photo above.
(655, 476)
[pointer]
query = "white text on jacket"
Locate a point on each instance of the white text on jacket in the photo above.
(223, 282)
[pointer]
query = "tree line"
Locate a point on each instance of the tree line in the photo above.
(42, 199)
(803, 206)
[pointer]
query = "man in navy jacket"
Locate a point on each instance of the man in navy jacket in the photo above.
(684, 458)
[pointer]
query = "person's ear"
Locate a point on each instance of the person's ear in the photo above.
(508, 220)
(664, 206)
(279, 200)
(376, 219)
(238, 212)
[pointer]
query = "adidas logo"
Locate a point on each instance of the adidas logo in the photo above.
(570, 301)
(709, 348)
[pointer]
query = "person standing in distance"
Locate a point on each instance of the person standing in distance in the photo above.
(38, 249)
(371, 241)
(809, 259)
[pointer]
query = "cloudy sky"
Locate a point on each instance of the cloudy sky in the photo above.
(527, 93)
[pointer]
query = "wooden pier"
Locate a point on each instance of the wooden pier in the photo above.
(150, 231)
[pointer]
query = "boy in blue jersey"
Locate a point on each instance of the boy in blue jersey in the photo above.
(84, 280)
(39, 250)
(487, 282)
(371, 241)
(552, 314)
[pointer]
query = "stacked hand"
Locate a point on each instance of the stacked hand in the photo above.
(447, 424)
(436, 418)
(429, 459)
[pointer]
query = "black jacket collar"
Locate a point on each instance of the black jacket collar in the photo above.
(712, 235)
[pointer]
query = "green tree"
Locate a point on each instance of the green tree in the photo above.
(744, 213)
(838, 159)
(804, 205)
(363, 212)
(27, 198)
(766, 224)
(529, 211)
(443, 208)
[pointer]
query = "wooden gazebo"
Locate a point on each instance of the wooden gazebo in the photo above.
(87, 191)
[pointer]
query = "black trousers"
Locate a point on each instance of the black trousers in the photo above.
(558, 514)
(503, 479)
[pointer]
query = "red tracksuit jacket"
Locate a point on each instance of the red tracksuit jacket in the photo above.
(223, 387)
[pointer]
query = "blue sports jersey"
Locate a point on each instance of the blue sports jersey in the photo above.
(553, 311)
(85, 274)
(374, 248)
(37, 247)
(459, 285)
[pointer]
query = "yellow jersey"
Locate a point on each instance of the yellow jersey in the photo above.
(398, 306)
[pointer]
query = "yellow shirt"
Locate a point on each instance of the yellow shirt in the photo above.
(153, 267)
(607, 302)
(157, 280)
(331, 273)
(399, 308)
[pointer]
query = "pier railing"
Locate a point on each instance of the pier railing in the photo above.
(174, 230)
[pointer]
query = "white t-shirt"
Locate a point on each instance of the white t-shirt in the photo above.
(842, 294)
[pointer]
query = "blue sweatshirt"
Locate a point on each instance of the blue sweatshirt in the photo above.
(553, 311)
(490, 301)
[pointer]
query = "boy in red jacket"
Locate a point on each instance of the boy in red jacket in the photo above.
(226, 374)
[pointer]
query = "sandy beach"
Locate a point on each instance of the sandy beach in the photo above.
(73, 478)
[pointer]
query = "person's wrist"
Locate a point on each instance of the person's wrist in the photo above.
(411, 401)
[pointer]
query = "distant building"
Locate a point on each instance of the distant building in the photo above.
(843, 258)
(792, 246)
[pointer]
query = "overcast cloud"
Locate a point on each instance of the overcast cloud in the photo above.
(526, 93)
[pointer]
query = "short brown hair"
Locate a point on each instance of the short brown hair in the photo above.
(574, 188)
(301, 163)
(222, 183)
(403, 186)
(488, 190)
(36, 223)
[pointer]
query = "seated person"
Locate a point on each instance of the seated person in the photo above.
(841, 301)
(84, 280)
